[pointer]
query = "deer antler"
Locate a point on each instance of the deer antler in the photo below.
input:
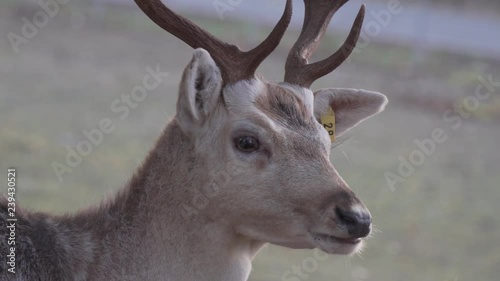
(235, 64)
(317, 17)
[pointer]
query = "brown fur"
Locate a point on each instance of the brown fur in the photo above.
(282, 106)
(198, 208)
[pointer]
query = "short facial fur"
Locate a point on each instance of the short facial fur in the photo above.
(200, 207)
(287, 191)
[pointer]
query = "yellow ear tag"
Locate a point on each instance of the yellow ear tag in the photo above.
(328, 121)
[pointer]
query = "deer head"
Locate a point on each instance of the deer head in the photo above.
(286, 191)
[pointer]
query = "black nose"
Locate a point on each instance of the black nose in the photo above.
(358, 223)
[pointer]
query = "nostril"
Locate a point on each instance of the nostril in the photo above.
(358, 224)
(347, 216)
(352, 217)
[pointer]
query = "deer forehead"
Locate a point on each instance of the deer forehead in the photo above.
(281, 104)
(282, 108)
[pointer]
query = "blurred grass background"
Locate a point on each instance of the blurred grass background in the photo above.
(441, 224)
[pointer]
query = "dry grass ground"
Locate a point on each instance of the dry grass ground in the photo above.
(440, 224)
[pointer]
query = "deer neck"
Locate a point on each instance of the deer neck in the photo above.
(162, 242)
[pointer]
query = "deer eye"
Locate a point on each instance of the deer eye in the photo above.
(247, 144)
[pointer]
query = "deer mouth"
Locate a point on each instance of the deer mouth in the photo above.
(353, 241)
(336, 245)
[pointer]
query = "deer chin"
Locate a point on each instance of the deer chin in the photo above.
(296, 245)
(336, 245)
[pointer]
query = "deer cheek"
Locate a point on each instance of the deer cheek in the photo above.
(261, 163)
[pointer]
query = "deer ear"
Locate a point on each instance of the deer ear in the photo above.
(199, 90)
(351, 106)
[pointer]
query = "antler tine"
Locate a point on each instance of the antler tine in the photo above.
(318, 14)
(235, 64)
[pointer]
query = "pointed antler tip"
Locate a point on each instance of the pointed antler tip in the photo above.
(362, 9)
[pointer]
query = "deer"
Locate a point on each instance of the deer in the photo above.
(244, 163)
